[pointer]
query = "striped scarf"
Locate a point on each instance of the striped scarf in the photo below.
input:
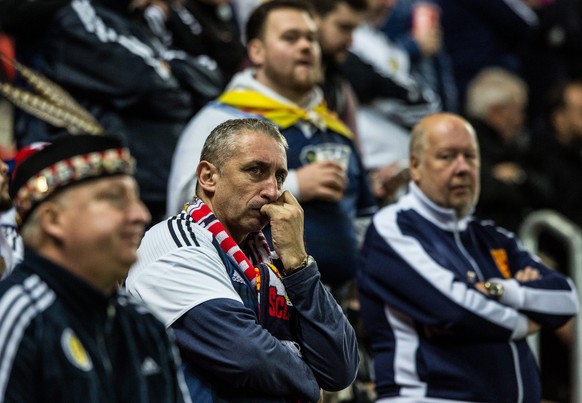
(261, 253)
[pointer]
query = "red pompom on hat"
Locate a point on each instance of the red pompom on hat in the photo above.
(43, 169)
(27, 151)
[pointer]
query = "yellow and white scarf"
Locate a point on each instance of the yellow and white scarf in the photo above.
(282, 114)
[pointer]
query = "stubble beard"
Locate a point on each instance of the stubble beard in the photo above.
(297, 83)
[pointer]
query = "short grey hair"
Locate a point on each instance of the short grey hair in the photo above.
(222, 143)
(30, 231)
(493, 86)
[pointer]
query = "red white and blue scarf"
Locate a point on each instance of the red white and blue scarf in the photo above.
(257, 243)
(276, 314)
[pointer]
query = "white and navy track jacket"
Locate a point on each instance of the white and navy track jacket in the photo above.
(229, 356)
(434, 336)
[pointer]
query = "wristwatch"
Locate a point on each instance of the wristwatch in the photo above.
(306, 262)
(494, 289)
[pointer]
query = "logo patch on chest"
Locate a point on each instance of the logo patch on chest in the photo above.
(74, 351)
(501, 261)
(149, 366)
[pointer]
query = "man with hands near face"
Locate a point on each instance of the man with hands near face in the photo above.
(251, 324)
(447, 300)
(325, 171)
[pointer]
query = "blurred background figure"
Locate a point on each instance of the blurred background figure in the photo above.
(11, 248)
(479, 34)
(562, 148)
(103, 53)
(560, 151)
(243, 9)
(415, 26)
(201, 28)
(391, 100)
(337, 22)
(513, 179)
(554, 55)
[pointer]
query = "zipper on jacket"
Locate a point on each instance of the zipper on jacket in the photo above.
(512, 346)
(466, 254)
(102, 333)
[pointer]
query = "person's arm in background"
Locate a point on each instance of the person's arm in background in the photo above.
(368, 83)
(544, 295)
(421, 41)
(428, 293)
(406, 102)
(108, 58)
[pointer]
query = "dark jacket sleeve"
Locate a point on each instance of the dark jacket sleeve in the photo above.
(21, 375)
(551, 300)
(223, 344)
(410, 102)
(327, 339)
(369, 84)
(175, 385)
(104, 57)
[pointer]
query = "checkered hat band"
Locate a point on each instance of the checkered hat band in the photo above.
(75, 169)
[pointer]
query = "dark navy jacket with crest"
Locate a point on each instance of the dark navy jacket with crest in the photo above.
(62, 340)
